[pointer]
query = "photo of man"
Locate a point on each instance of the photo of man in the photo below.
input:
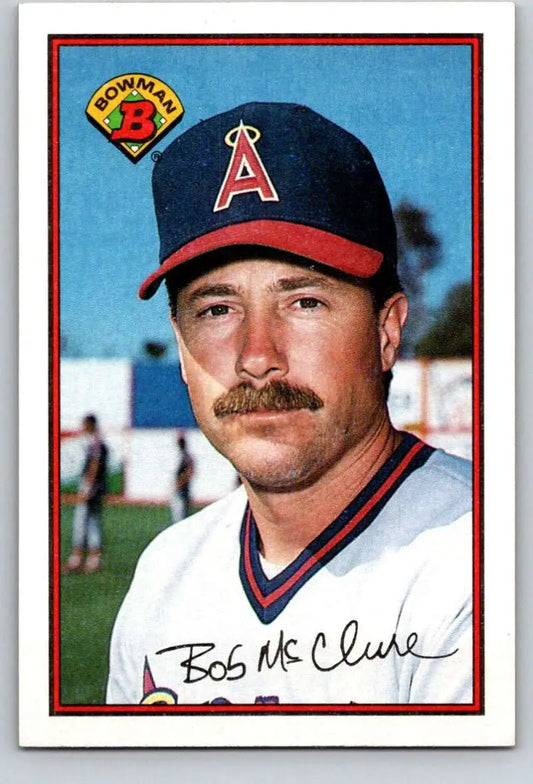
(87, 525)
(180, 502)
(341, 571)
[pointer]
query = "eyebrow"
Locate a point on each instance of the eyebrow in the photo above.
(211, 290)
(293, 284)
(281, 285)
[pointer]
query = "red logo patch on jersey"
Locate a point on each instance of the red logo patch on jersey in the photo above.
(152, 695)
(246, 172)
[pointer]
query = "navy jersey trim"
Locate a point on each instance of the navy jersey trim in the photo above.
(268, 597)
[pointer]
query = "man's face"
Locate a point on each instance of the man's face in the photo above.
(305, 352)
(88, 426)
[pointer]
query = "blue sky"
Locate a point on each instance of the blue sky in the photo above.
(409, 104)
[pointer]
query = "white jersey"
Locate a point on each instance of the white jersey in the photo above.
(376, 610)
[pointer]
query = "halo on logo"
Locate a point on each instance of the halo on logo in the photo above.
(231, 137)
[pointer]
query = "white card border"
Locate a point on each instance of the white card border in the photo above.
(495, 21)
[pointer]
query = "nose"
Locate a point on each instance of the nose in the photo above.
(261, 357)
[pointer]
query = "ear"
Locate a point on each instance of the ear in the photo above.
(392, 319)
(179, 342)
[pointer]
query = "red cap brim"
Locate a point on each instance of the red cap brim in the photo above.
(306, 241)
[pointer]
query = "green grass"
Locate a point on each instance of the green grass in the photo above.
(89, 602)
(115, 483)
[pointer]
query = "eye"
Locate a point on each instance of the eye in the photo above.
(213, 311)
(308, 303)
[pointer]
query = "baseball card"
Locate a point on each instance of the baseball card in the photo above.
(266, 375)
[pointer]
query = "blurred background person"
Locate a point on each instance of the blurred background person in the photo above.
(87, 524)
(180, 501)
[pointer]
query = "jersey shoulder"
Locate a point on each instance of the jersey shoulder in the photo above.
(436, 497)
(441, 488)
(456, 470)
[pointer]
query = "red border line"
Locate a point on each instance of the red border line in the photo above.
(55, 42)
(250, 709)
(267, 40)
(477, 374)
(54, 346)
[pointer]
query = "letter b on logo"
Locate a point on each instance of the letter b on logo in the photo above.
(137, 123)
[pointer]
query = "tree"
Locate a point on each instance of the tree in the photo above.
(451, 333)
(418, 253)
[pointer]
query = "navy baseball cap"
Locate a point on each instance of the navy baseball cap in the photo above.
(276, 175)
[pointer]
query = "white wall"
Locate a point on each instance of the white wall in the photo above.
(152, 458)
(95, 386)
(433, 399)
(73, 453)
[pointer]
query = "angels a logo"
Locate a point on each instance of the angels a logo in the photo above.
(134, 111)
(246, 172)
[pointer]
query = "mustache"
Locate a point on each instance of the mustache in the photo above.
(276, 396)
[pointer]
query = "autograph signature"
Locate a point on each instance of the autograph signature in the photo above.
(325, 656)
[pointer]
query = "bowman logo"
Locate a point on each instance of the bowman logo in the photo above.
(133, 111)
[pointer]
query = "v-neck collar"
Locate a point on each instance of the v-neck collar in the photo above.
(269, 597)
